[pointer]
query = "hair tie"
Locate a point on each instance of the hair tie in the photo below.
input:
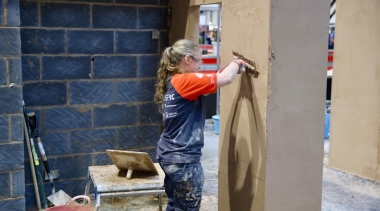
(170, 49)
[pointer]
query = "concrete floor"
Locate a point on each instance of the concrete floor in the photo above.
(341, 191)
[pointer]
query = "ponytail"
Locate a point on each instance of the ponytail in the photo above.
(169, 66)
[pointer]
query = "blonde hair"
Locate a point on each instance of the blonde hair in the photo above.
(170, 65)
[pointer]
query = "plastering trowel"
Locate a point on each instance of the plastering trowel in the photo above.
(249, 67)
(59, 198)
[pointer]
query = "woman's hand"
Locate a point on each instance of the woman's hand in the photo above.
(237, 61)
(227, 74)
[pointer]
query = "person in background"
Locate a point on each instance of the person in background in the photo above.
(210, 37)
(180, 91)
(202, 36)
(331, 38)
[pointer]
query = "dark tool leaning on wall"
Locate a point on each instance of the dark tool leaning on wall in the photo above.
(37, 179)
(59, 198)
(250, 66)
(34, 127)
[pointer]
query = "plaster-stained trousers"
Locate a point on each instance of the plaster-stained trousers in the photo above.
(183, 185)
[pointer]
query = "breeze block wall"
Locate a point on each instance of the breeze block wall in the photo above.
(89, 69)
(12, 187)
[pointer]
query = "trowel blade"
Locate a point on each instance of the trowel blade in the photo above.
(59, 198)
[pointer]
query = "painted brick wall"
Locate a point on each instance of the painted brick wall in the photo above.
(88, 72)
(12, 178)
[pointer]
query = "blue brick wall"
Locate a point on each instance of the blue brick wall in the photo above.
(66, 67)
(12, 178)
(115, 67)
(90, 42)
(65, 15)
(42, 41)
(135, 91)
(40, 94)
(88, 70)
(116, 17)
(30, 68)
(86, 92)
(10, 41)
(136, 42)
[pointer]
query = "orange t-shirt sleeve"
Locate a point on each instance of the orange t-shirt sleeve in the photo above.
(191, 85)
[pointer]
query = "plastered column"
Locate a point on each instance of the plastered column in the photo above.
(355, 115)
(271, 129)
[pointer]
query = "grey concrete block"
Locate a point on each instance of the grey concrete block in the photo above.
(149, 113)
(17, 129)
(136, 137)
(12, 156)
(43, 94)
(115, 115)
(102, 159)
(18, 183)
(67, 118)
(114, 67)
(55, 143)
(136, 43)
(164, 40)
(4, 129)
(3, 71)
(85, 92)
(153, 18)
(17, 204)
(11, 100)
(62, 67)
(13, 13)
(90, 42)
(65, 15)
(84, 141)
(30, 68)
(71, 167)
(116, 17)
(5, 189)
(28, 13)
(15, 71)
(148, 66)
(10, 43)
(135, 91)
(146, 2)
(37, 41)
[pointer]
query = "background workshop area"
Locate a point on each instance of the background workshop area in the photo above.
(303, 136)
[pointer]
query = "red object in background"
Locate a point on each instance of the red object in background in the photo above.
(330, 60)
(209, 61)
(212, 60)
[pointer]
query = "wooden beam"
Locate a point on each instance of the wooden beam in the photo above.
(203, 2)
(185, 21)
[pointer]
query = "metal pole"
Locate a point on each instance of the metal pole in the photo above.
(218, 58)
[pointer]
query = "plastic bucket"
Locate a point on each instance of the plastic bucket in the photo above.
(216, 123)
